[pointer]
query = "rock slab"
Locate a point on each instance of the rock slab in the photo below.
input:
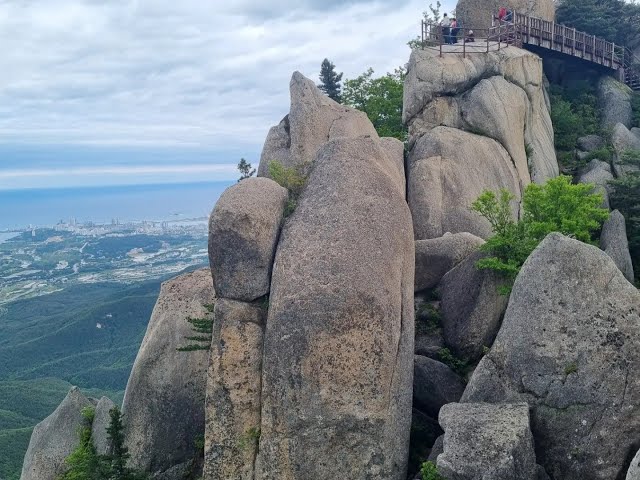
(165, 397)
(101, 421)
(233, 391)
(614, 242)
(437, 256)
(434, 385)
(487, 442)
(338, 347)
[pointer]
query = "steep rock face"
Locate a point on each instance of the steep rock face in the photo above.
(338, 350)
(615, 102)
(460, 92)
(477, 13)
(101, 421)
(314, 118)
(55, 438)
(568, 346)
(448, 170)
(471, 307)
(599, 174)
(488, 442)
(623, 139)
(435, 257)
(165, 396)
(233, 391)
(613, 241)
(634, 469)
(434, 385)
(243, 233)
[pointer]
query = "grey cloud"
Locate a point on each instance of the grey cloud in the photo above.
(187, 72)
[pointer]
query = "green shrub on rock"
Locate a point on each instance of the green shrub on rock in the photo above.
(429, 471)
(557, 206)
(289, 178)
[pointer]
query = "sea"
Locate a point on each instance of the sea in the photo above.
(25, 208)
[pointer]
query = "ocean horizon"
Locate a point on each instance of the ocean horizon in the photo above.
(41, 207)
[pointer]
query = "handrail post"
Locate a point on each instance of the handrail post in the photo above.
(573, 52)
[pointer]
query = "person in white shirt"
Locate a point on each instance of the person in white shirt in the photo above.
(446, 28)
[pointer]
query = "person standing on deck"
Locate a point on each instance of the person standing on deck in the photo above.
(445, 24)
(454, 30)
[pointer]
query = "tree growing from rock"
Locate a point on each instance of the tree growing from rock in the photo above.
(557, 206)
(330, 80)
(245, 170)
(381, 99)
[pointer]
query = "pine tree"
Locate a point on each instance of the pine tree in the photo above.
(330, 80)
(245, 170)
(118, 452)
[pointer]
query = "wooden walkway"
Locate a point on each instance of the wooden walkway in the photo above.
(526, 30)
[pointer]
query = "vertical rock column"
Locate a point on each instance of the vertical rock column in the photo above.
(243, 234)
(338, 346)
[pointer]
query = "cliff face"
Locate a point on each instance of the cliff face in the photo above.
(163, 404)
(476, 123)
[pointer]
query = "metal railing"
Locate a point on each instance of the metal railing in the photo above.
(526, 30)
(466, 40)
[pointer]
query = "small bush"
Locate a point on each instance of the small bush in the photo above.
(291, 179)
(557, 206)
(429, 471)
(571, 368)
(454, 363)
(605, 154)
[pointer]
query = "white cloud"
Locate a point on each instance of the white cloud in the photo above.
(193, 72)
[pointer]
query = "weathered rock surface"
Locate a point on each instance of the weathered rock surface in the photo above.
(500, 94)
(623, 140)
(589, 143)
(615, 102)
(243, 234)
(54, 438)
(435, 257)
(448, 170)
(471, 307)
(233, 391)
(101, 421)
(165, 396)
(434, 385)
(634, 469)
(314, 118)
(614, 242)
(395, 152)
(573, 358)
(477, 13)
(599, 173)
(488, 442)
(338, 350)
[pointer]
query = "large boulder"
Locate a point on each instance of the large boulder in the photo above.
(623, 140)
(165, 396)
(101, 421)
(477, 13)
(472, 307)
(613, 241)
(243, 233)
(487, 442)
(448, 170)
(338, 347)
(569, 346)
(434, 385)
(54, 438)
(589, 143)
(500, 95)
(233, 391)
(599, 174)
(314, 118)
(435, 257)
(614, 98)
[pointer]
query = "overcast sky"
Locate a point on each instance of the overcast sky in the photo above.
(185, 76)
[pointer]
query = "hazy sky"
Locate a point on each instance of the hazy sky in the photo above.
(203, 79)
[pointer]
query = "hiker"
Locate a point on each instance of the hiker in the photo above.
(445, 24)
(501, 14)
(509, 16)
(454, 31)
(470, 37)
